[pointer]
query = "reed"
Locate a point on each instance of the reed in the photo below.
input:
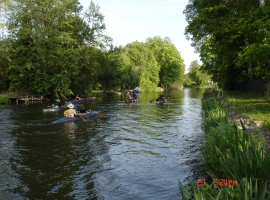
(232, 154)
(4, 99)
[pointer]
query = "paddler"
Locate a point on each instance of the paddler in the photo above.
(71, 112)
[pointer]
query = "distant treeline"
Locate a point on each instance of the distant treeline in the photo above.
(54, 47)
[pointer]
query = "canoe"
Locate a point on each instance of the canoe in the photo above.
(78, 118)
(83, 100)
(59, 108)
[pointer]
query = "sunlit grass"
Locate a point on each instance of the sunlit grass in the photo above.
(4, 99)
(254, 106)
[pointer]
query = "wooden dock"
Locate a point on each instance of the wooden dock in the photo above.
(24, 97)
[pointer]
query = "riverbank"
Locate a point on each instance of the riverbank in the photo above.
(252, 110)
(233, 155)
(254, 106)
(4, 99)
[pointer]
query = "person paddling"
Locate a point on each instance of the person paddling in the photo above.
(161, 98)
(134, 96)
(83, 111)
(71, 112)
(57, 104)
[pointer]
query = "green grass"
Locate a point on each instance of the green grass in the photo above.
(252, 105)
(97, 92)
(4, 99)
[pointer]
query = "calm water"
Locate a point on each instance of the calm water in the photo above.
(134, 151)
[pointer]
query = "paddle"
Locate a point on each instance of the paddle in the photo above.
(100, 112)
(82, 117)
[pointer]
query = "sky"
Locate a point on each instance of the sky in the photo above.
(136, 20)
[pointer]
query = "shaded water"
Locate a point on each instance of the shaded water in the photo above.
(134, 151)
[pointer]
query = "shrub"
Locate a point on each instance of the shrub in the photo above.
(4, 99)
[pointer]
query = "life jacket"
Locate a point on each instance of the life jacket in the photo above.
(68, 113)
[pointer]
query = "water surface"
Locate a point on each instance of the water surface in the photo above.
(134, 151)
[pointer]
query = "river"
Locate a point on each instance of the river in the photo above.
(133, 151)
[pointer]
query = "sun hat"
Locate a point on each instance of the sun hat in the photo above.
(70, 105)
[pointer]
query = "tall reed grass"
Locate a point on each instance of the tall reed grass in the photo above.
(230, 153)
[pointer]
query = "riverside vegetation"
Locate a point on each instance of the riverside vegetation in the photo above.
(230, 153)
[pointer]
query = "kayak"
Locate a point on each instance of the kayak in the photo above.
(131, 101)
(77, 118)
(160, 102)
(83, 100)
(53, 109)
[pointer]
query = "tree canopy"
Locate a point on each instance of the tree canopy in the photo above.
(56, 48)
(143, 62)
(196, 76)
(169, 59)
(231, 37)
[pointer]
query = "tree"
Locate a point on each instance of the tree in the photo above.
(48, 39)
(144, 64)
(4, 63)
(169, 59)
(96, 27)
(220, 31)
(109, 70)
(197, 76)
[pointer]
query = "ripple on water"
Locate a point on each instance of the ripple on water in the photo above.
(137, 151)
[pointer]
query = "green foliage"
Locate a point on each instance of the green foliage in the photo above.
(50, 56)
(169, 59)
(248, 159)
(109, 74)
(231, 38)
(213, 117)
(252, 105)
(187, 81)
(144, 63)
(197, 76)
(3, 65)
(4, 99)
(95, 27)
(232, 154)
(44, 55)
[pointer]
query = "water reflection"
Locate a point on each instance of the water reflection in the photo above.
(134, 151)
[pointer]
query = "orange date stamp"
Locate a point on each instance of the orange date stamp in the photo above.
(217, 182)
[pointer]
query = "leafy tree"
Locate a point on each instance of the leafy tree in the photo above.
(130, 76)
(220, 31)
(169, 59)
(88, 64)
(54, 50)
(144, 64)
(4, 62)
(96, 27)
(109, 70)
(197, 76)
(187, 81)
(46, 37)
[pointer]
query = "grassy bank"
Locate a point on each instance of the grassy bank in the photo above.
(252, 105)
(237, 167)
(4, 99)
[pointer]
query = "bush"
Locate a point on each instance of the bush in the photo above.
(4, 99)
